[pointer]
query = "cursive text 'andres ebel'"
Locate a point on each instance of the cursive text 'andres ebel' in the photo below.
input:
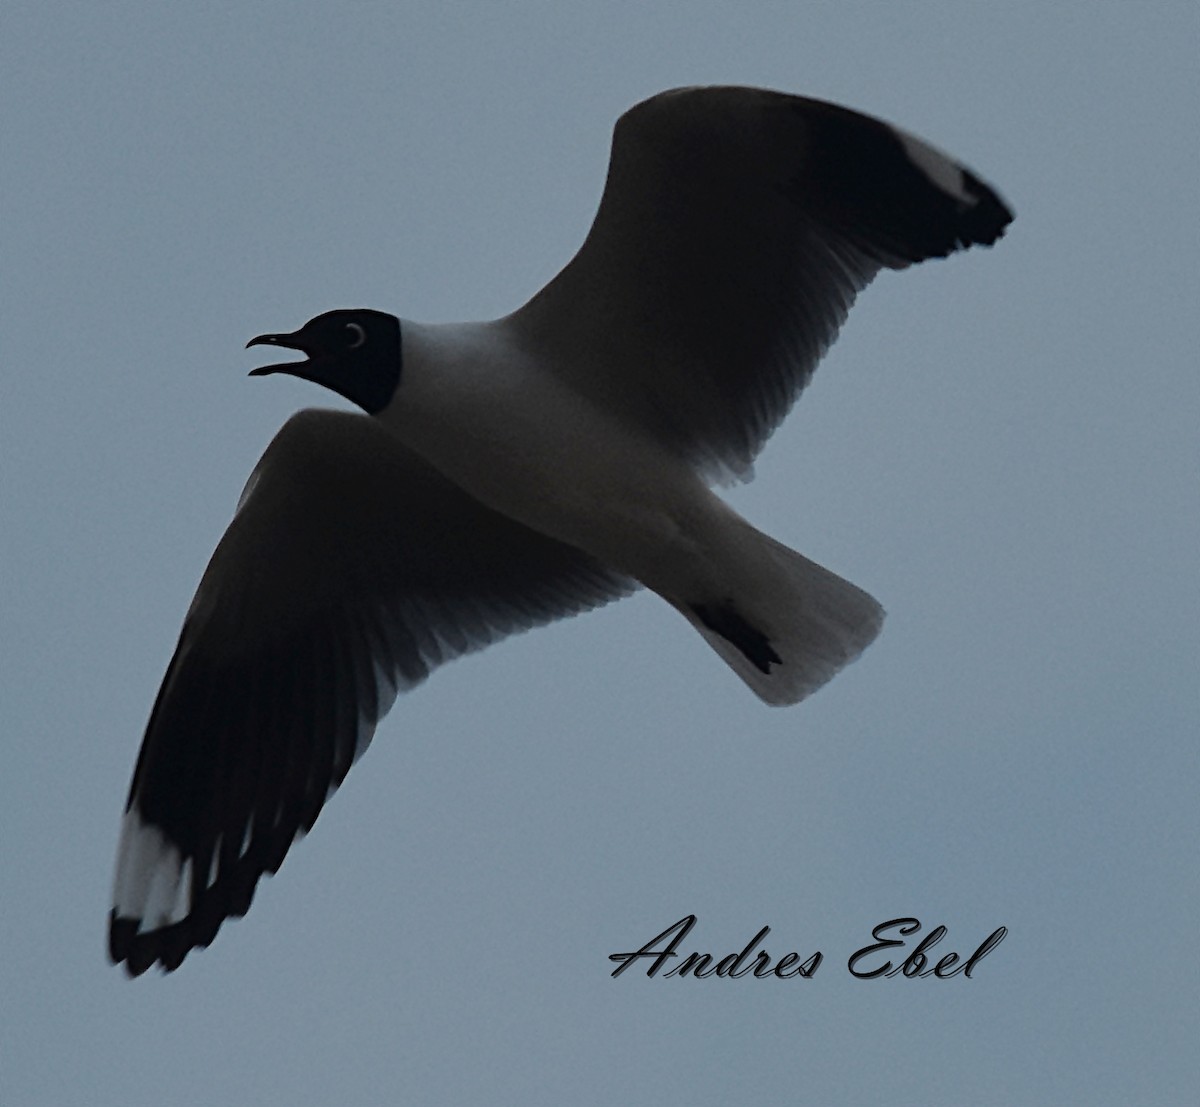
(870, 962)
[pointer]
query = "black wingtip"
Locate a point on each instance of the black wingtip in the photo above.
(166, 946)
(984, 223)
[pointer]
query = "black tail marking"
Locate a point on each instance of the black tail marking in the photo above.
(728, 622)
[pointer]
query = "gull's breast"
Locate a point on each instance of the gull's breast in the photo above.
(518, 438)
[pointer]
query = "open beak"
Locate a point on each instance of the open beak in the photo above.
(287, 341)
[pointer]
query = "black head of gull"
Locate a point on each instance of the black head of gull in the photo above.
(353, 351)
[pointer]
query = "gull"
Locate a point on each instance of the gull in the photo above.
(508, 473)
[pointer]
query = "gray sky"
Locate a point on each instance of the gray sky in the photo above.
(1001, 448)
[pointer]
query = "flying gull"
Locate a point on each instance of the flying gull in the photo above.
(514, 472)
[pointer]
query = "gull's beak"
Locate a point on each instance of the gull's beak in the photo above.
(287, 341)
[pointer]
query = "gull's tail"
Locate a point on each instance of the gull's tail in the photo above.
(783, 623)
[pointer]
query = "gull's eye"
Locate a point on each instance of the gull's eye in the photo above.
(355, 336)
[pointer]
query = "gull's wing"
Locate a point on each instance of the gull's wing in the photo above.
(350, 571)
(735, 229)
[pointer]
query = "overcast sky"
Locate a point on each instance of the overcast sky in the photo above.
(1001, 448)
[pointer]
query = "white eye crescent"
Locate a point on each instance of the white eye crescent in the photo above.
(357, 336)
